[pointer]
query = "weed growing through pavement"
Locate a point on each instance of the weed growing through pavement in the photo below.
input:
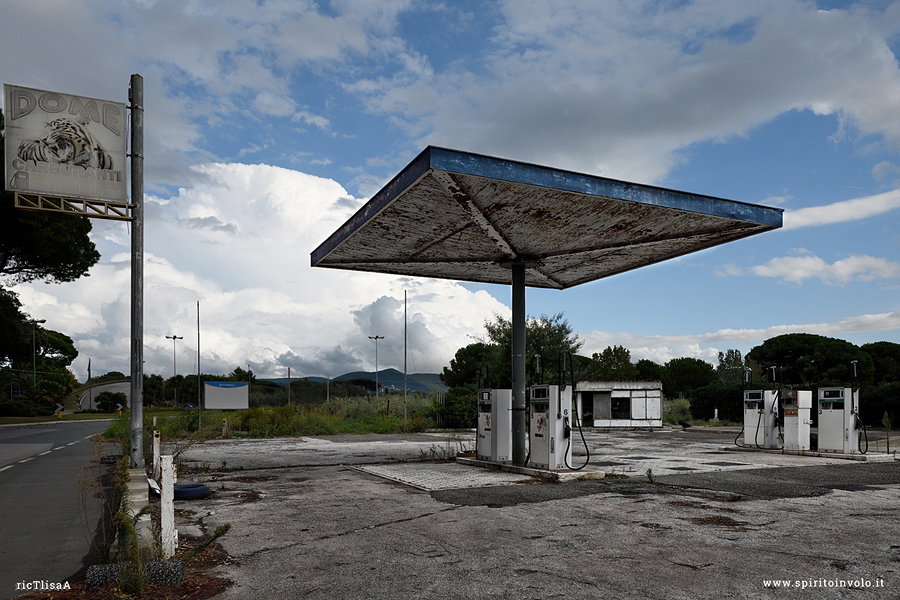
(454, 445)
(219, 532)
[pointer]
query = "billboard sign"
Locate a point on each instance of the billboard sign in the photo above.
(226, 395)
(64, 145)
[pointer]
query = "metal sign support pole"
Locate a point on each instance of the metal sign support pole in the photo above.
(137, 270)
(518, 363)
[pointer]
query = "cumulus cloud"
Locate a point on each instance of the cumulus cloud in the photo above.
(858, 267)
(311, 119)
(842, 212)
(238, 242)
(551, 83)
(273, 104)
(556, 87)
(804, 265)
(662, 348)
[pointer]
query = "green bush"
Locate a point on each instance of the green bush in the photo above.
(109, 401)
(728, 399)
(25, 409)
(319, 420)
(676, 409)
(458, 409)
(252, 419)
(874, 402)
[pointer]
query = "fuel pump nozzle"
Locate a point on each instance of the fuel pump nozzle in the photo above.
(562, 386)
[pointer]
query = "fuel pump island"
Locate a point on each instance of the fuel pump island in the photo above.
(465, 216)
(782, 420)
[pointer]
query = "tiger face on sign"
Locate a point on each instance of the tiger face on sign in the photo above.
(66, 141)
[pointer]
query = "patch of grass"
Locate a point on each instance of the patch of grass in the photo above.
(344, 415)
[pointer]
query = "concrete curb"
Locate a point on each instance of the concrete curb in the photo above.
(838, 455)
(138, 499)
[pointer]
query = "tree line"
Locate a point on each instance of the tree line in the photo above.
(182, 390)
(791, 361)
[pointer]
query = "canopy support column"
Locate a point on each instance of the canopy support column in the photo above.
(518, 363)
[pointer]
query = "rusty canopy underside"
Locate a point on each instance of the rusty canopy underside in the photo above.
(456, 215)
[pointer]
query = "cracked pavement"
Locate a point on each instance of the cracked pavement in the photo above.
(306, 524)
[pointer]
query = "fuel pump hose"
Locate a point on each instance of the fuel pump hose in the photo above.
(587, 450)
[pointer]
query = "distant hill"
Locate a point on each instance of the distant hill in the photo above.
(389, 378)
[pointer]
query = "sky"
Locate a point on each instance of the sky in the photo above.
(268, 123)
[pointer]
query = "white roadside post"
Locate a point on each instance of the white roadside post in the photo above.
(156, 454)
(167, 510)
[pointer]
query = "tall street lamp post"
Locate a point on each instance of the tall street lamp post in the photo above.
(34, 349)
(376, 338)
(174, 365)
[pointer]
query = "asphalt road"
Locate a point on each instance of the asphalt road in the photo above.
(42, 536)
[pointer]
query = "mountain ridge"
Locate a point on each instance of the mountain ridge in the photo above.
(387, 378)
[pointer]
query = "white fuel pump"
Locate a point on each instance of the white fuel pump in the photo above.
(797, 405)
(838, 418)
(761, 419)
(550, 427)
(494, 436)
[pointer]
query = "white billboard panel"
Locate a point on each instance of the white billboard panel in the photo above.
(226, 395)
(64, 145)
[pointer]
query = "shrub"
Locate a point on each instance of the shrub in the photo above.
(458, 409)
(728, 399)
(109, 401)
(24, 409)
(875, 402)
(676, 409)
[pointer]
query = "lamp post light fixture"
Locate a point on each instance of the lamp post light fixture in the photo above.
(174, 365)
(34, 349)
(376, 338)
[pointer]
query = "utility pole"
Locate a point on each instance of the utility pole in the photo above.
(174, 365)
(404, 361)
(376, 338)
(136, 96)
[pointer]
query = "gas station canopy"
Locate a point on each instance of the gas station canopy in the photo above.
(463, 216)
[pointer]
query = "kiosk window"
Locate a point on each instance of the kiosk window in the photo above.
(621, 408)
